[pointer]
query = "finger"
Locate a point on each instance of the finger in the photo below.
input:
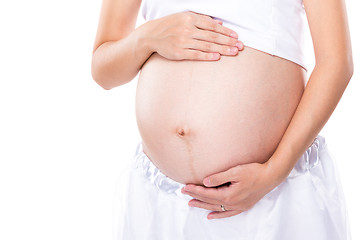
(207, 23)
(199, 55)
(210, 195)
(204, 199)
(223, 214)
(204, 205)
(214, 37)
(218, 21)
(212, 47)
(207, 192)
(222, 177)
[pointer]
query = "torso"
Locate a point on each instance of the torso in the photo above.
(197, 118)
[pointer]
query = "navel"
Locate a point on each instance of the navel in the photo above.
(182, 131)
(187, 136)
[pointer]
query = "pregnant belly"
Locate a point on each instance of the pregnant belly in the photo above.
(197, 118)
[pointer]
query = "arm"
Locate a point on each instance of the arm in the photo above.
(119, 51)
(331, 75)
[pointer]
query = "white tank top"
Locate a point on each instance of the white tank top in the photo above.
(272, 26)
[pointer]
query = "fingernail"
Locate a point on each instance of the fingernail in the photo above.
(234, 50)
(207, 181)
(239, 44)
(233, 34)
(215, 56)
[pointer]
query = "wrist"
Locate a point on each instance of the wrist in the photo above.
(277, 171)
(143, 40)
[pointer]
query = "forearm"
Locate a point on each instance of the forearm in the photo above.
(322, 94)
(115, 63)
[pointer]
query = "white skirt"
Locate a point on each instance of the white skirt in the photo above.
(308, 205)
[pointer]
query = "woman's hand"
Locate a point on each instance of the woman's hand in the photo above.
(189, 35)
(248, 184)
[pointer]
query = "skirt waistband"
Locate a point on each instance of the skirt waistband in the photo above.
(307, 161)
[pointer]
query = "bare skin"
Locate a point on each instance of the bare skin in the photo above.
(120, 51)
(332, 72)
(197, 118)
(198, 115)
(246, 123)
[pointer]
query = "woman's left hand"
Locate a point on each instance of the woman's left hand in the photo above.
(249, 183)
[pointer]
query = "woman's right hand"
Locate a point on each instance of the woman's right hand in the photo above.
(190, 35)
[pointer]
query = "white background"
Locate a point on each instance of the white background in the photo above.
(64, 140)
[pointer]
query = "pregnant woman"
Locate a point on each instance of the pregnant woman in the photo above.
(228, 119)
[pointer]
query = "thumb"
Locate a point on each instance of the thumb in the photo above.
(220, 178)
